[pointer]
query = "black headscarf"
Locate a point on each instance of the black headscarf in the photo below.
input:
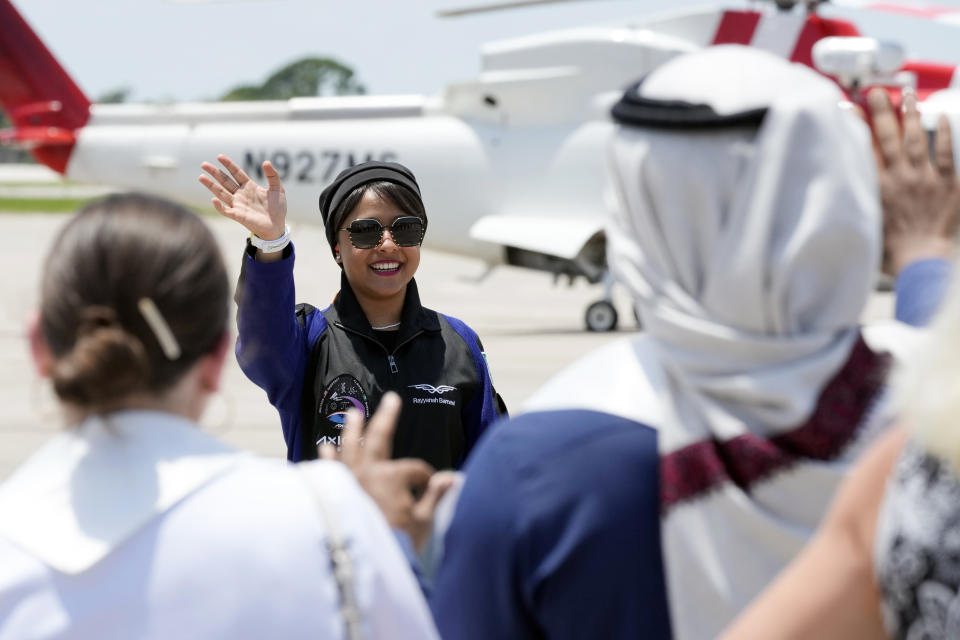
(353, 177)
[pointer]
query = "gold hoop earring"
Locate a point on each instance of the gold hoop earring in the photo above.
(225, 414)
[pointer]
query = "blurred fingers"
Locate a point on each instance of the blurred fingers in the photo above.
(350, 440)
(886, 129)
(858, 111)
(327, 451)
(914, 136)
(413, 472)
(379, 441)
(943, 149)
(439, 484)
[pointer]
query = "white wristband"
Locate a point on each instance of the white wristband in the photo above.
(271, 246)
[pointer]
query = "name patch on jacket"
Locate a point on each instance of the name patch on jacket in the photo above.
(432, 394)
(342, 394)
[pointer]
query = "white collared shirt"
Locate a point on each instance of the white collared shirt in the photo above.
(143, 526)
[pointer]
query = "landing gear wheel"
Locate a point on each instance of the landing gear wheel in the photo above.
(601, 316)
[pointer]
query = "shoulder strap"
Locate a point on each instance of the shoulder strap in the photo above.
(340, 561)
(302, 310)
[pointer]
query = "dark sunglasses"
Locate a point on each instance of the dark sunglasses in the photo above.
(367, 233)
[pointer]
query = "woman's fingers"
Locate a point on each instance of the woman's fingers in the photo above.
(237, 214)
(237, 173)
(222, 209)
(217, 190)
(273, 178)
(224, 180)
(379, 441)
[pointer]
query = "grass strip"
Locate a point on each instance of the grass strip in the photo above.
(41, 205)
(69, 205)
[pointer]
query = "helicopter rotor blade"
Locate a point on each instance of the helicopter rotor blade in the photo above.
(215, 1)
(923, 11)
(496, 6)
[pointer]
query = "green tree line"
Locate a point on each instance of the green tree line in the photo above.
(306, 77)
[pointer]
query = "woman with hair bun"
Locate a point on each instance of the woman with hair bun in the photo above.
(133, 523)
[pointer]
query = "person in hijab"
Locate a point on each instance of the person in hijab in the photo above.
(132, 522)
(375, 337)
(653, 488)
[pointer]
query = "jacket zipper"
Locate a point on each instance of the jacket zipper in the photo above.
(390, 360)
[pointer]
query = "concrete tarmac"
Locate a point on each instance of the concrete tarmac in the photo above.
(530, 329)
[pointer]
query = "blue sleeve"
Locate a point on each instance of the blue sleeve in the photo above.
(478, 414)
(556, 534)
(920, 287)
(476, 593)
(406, 545)
(272, 347)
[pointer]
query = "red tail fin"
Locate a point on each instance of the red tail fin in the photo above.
(42, 101)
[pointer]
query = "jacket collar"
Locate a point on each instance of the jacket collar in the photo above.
(414, 317)
(94, 486)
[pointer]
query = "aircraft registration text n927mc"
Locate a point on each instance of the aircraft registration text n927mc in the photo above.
(512, 166)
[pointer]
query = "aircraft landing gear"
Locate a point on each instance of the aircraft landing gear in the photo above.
(601, 316)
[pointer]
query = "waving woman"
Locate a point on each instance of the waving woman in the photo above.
(376, 336)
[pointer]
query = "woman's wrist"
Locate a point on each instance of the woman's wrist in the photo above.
(273, 256)
(276, 245)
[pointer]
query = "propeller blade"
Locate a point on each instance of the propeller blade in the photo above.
(496, 6)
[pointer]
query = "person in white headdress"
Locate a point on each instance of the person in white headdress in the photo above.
(133, 523)
(655, 487)
(883, 563)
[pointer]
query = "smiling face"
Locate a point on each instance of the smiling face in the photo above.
(381, 273)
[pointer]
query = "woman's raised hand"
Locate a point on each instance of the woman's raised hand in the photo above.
(236, 196)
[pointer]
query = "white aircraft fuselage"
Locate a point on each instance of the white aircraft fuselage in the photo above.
(512, 166)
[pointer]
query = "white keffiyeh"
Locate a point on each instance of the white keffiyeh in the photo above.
(750, 254)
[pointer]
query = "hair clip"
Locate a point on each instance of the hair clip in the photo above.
(168, 342)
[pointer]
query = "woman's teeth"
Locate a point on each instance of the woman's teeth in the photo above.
(386, 266)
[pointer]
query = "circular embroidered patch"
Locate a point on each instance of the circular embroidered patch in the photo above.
(340, 395)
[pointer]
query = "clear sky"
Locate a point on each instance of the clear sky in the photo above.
(165, 51)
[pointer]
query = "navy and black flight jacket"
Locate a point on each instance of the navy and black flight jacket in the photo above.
(315, 364)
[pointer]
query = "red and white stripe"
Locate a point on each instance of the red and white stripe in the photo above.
(793, 34)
